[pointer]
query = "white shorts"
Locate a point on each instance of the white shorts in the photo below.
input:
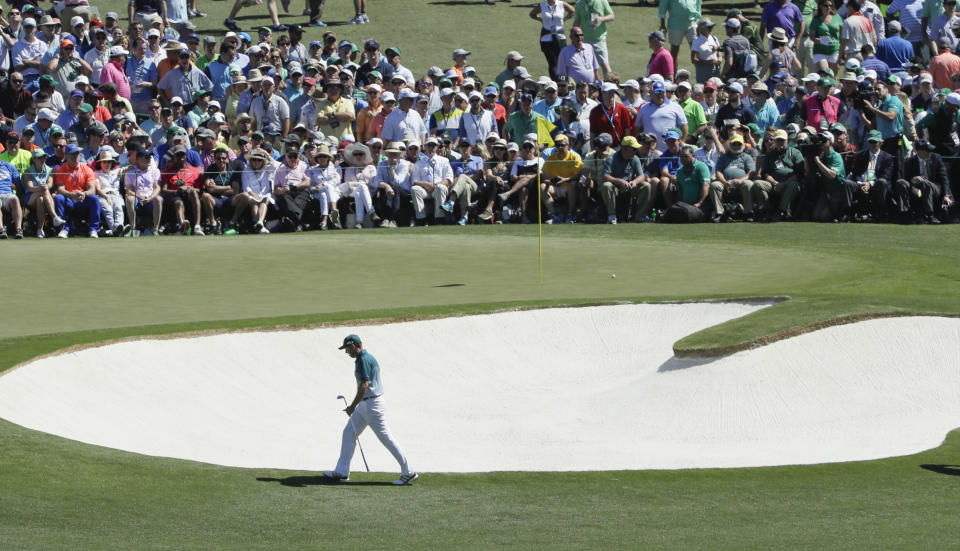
(676, 36)
(6, 200)
(831, 59)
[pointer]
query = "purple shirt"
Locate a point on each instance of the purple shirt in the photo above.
(785, 17)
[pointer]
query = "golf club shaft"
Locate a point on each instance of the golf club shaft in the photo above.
(357, 438)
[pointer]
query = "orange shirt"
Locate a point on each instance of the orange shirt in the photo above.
(942, 67)
(75, 179)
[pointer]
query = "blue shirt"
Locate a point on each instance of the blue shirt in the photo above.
(366, 368)
(890, 129)
(9, 175)
(768, 115)
(894, 51)
(144, 70)
(547, 110)
(470, 167)
(219, 74)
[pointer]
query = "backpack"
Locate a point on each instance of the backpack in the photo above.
(682, 213)
(745, 62)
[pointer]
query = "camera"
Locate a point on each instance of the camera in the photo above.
(811, 146)
(865, 93)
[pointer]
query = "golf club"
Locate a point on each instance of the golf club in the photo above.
(356, 436)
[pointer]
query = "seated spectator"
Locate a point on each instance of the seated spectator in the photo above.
(824, 184)
(869, 180)
(181, 185)
(779, 177)
(496, 178)
(432, 175)
(37, 179)
(924, 191)
(107, 174)
(359, 174)
(9, 202)
(76, 193)
(524, 173)
(221, 185)
(256, 190)
(623, 176)
(735, 173)
(562, 174)
(291, 190)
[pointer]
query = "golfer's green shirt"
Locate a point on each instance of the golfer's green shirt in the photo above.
(367, 369)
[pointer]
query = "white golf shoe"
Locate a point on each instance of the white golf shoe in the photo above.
(406, 479)
(334, 475)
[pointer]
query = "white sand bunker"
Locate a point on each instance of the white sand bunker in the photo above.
(559, 389)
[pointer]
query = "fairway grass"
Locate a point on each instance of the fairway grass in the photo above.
(59, 494)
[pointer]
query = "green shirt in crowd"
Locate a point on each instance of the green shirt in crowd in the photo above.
(691, 181)
(781, 165)
(695, 115)
(834, 162)
(681, 12)
(519, 125)
(584, 11)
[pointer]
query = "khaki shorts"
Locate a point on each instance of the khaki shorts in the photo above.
(676, 36)
(600, 50)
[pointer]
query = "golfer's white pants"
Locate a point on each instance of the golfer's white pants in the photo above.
(439, 198)
(370, 413)
(361, 194)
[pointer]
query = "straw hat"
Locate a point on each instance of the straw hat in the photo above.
(323, 150)
(778, 35)
(355, 147)
(259, 153)
(395, 147)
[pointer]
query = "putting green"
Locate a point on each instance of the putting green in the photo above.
(112, 283)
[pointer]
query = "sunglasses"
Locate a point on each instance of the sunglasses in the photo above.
(221, 158)
(16, 81)
(359, 154)
(578, 34)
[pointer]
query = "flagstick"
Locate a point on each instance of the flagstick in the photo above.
(539, 224)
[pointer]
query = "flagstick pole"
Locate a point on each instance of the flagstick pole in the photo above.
(539, 224)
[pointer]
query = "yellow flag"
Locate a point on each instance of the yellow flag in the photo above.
(544, 127)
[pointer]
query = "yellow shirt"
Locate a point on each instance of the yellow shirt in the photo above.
(339, 128)
(561, 165)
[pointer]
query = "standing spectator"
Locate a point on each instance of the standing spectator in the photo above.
(28, 54)
(705, 52)
(764, 107)
(781, 55)
(610, 116)
(871, 11)
(739, 59)
(872, 63)
(142, 72)
(592, 16)
(659, 115)
(661, 62)
(522, 121)
(184, 79)
(551, 14)
(784, 14)
(513, 61)
(734, 109)
(944, 25)
(758, 42)
(825, 33)
(696, 118)
(930, 10)
(476, 123)
(231, 23)
(908, 13)
(403, 119)
(944, 65)
(578, 60)
(113, 72)
(889, 121)
(823, 105)
(682, 23)
(14, 98)
(270, 111)
(894, 50)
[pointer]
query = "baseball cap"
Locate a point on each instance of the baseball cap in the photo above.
(671, 135)
(874, 136)
(526, 97)
(658, 35)
(825, 82)
(609, 87)
(407, 93)
(926, 77)
(630, 142)
(953, 98)
(85, 108)
(72, 149)
(732, 23)
(658, 88)
(780, 134)
(736, 87)
(490, 91)
(76, 20)
(736, 138)
(632, 84)
(603, 140)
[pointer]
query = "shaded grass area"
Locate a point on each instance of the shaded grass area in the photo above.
(84, 497)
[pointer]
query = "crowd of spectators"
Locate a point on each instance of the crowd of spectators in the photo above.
(818, 112)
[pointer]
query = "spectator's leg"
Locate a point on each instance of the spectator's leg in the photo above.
(440, 192)
(788, 192)
(715, 198)
(419, 195)
(746, 197)
(902, 191)
(643, 193)
(61, 204)
(760, 194)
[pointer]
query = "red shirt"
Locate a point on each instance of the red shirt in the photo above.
(75, 179)
(619, 123)
(190, 175)
(500, 115)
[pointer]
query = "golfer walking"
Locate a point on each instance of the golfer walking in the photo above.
(366, 410)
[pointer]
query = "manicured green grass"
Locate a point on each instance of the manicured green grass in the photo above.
(427, 31)
(59, 494)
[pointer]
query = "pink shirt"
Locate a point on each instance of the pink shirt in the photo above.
(661, 63)
(113, 72)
